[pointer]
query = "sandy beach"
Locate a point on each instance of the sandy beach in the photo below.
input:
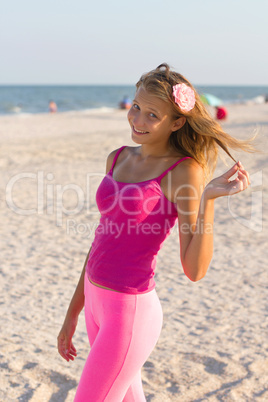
(214, 341)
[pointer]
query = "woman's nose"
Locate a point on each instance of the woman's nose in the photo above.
(138, 120)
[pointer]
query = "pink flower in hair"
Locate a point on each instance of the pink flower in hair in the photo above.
(184, 97)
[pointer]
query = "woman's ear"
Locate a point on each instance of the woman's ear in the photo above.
(179, 123)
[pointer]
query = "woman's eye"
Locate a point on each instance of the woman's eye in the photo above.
(153, 115)
(136, 106)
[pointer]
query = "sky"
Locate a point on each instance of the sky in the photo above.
(210, 42)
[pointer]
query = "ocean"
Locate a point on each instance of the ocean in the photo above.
(21, 99)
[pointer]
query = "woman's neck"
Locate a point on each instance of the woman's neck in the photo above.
(156, 151)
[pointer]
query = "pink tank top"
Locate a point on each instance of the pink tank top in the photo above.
(135, 220)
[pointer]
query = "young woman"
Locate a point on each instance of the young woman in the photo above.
(146, 190)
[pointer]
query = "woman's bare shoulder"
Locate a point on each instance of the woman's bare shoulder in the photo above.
(112, 154)
(189, 170)
(110, 158)
(188, 174)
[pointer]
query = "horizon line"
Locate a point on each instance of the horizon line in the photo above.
(130, 85)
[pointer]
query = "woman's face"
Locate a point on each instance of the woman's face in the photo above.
(151, 120)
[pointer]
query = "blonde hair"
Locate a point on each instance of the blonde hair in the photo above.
(201, 135)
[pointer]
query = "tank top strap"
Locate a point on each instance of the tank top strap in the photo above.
(116, 156)
(172, 167)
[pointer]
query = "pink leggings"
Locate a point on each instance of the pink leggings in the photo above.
(123, 330)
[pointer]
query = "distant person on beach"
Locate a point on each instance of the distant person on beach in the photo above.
(221, 113)
(52, 107)
(147, 189)
(125, 103)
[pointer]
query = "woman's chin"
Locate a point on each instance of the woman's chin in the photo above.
(138, 139)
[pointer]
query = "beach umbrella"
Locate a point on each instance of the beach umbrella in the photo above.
(211, 100)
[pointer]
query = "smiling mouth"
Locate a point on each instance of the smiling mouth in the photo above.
(139, 131)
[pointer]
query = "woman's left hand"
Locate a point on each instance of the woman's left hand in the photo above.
(222, 185)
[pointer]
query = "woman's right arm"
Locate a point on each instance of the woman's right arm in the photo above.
(65, 345)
